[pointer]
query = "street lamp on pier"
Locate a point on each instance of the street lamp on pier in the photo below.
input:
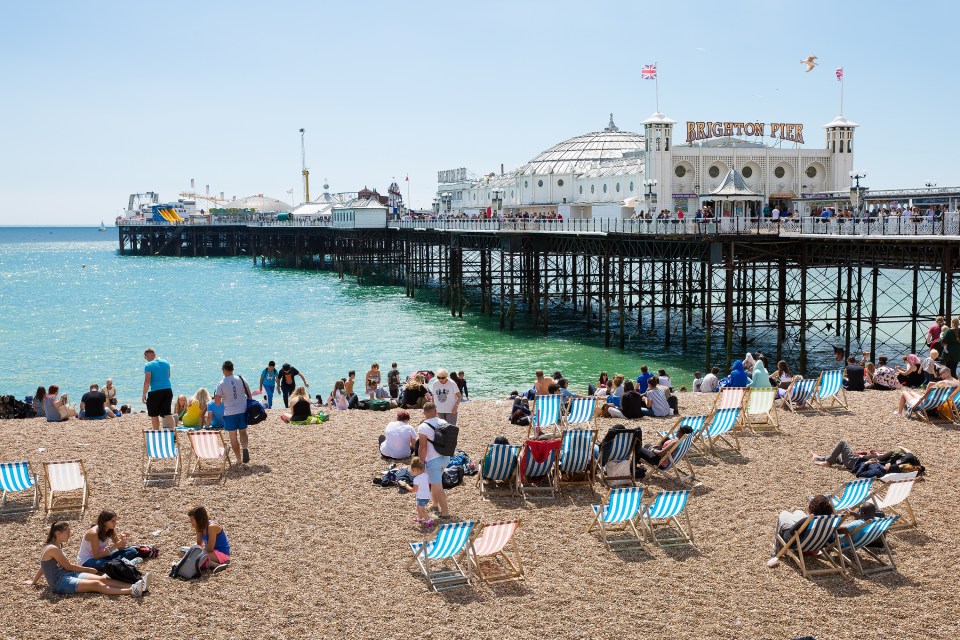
(651, 199)
(858, 191)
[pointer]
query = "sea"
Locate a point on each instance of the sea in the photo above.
(74, 312)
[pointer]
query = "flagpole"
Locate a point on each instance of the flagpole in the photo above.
(842, 77)
(408, 192)
(656, 80)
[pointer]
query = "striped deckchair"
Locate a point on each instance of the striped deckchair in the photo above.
(670, 461)
(210, 459)
(798, 394)
(619, 514)
(935, 396)
(896, 500)
(716, 436)
(621, 450)
(665, 511)
(696, 423)
(499, 466)
(830, 387)
(537, 478)
(761, 412)
(815, 538)
(854, 494)
(869, 537)
(14, 478)
(493, 555)
(547, 415)
(729, 398)
(450, 542)
(577, 464)
(160, 450)
(581, 413)
(69, 477)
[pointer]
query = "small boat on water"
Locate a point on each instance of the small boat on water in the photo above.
(102, 228)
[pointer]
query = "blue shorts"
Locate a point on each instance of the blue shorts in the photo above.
(70, 580)
(422, 502)
(235, 423)
(435, 469)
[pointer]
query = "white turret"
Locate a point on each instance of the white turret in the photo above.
(840, 146)
(658, 135)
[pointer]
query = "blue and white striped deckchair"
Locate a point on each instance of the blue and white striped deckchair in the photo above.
(664, 512)
(932, 399)
(581, 412)
(499, 465)
(696, 423)
(14, 478)
(621, 450)
(816, 537)
(798, 394)
(576, 457)
(673, 457)
(160, 450)
(537, 478)
(548, 412)
(863, 537)
(622, 508)
(830, 387)
(953, 406)
(854, 494)
(450, 542)
(720, 430)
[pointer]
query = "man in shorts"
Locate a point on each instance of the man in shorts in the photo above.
(232, 393)
(434, 463)
(157, 393)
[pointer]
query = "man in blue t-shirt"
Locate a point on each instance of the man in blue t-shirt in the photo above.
(268, 382)
(157, 393)
(643, 379)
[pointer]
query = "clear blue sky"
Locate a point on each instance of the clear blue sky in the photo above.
(103, 99)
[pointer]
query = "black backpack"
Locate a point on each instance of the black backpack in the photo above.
(255, 412)
(444, 437)
(121, 569)
(452, 476)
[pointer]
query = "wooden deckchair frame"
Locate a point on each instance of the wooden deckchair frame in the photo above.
(556, 428)
(25, 508)
(946, 405)
(512, 483)
(508, 559)
(589, 424)
(829, 553)
(672, 470)
(197, 469)
(441, 579)
(538, 491)
(904, 509)
(787, 403)
(710, 442)
(150, 474)
(835, 400)
(685, 539)
(72, 502)
(888, 564)
(628, 526)
(770, 421)
(590, 476)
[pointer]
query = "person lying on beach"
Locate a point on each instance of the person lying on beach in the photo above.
(211, 537)
(64, 577)
(872, 465)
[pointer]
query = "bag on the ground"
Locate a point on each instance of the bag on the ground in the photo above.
(363, 404)
(190, 565)
(146, 552)
(444, 438)
(255, 412)
(121, 569)
(379, 405)
(452, 476)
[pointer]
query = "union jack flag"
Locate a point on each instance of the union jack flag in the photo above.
(839, 74)
(649, 72)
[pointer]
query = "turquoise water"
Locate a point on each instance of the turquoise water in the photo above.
(73, 312)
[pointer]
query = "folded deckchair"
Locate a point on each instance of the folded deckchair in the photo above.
(830, 387)
(664, 512)
(210, 458)
(161, 455)
(869, 537)
(492, 553)
(798, 394)
(816, 538)
(619, 514)
(450, 542)
(577, 464)
(537, 478)
(896, 500)
(935, 397)
(547, 415)
(671, 460)
(581, 413)
(70, 477)
(854, 494)
(729, 398)
(761, 412)
(16, 477)
(716, 435)
(499, 465)
(621, 455)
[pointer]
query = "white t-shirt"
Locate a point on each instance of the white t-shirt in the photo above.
(233, 394)
(397, 442)
(710, 383)
(422, 483)
(697, 384)
(426, 429)
(445, 395)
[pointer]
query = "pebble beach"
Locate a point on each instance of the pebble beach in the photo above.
(321, 552)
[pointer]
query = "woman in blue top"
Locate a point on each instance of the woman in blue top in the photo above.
(210, 536)
(738, 377)
(268, 381)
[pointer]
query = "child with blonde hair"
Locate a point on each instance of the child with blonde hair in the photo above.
(421, 484)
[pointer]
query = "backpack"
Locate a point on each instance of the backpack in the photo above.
(363, 404)
(190, 565)
(255, 411)
(121, 569)
(379, 405)
(452, 476)
(444, 437)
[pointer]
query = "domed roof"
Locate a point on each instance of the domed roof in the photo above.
(584, 152)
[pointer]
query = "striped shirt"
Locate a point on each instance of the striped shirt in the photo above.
(661, 407)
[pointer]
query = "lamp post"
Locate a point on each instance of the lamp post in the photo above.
(650, 197)
(857, 177)
(497, 202)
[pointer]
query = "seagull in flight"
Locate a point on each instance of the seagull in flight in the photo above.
(809, 61)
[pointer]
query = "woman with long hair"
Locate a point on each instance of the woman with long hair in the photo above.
(101, 544)
(211, 536)
(299, 406)
(196, 413)
(38, 397)
(64, 577)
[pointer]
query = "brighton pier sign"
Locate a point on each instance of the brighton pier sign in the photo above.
(706, 130)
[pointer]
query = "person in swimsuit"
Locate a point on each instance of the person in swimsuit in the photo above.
(373, 380)
(301, 406)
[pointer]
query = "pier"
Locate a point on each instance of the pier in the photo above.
(794, 289)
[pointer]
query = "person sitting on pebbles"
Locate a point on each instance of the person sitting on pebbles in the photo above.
(211, 537)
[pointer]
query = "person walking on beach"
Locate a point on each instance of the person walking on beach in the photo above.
(446, 396)
(393, 381)
(232, 393)
(288, 382)
(268, 381)
(157, 392)
(434, 463)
